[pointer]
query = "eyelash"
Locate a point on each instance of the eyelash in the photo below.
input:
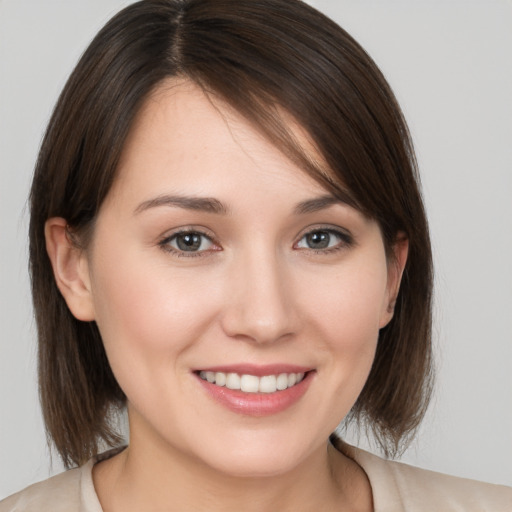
(346, 241)
(164, 244)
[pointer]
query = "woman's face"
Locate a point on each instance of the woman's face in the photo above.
(215, 264)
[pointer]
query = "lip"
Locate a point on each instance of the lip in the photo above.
(256, 370)
(257, 404)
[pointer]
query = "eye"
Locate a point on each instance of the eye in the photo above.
(187, 242)
(324, 240)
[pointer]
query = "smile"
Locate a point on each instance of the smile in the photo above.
(251, 383)
(256, 390)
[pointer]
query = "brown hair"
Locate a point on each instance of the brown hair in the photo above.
(263, 57)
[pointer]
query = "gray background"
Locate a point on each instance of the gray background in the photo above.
(449, 63)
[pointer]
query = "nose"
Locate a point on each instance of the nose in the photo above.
(259, 302)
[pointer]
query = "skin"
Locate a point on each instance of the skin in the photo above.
(254, 292)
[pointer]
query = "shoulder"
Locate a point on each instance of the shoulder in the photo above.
(60, 493)
(71, 491)
(398, 486)
(444, 492)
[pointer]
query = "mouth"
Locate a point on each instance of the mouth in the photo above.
(256, 391)
(248, 383)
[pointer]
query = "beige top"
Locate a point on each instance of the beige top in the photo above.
(396, 487)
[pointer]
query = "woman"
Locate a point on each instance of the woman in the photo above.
(228, 239)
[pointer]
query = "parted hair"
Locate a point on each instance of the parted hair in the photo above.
(264, 58)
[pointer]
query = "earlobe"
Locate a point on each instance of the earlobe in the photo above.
(396, 266)
(70, 269)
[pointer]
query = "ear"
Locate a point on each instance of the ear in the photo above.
(70, 268)
(396, 265)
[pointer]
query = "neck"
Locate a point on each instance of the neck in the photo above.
(152, 476)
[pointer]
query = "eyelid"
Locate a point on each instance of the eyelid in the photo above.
(164, 241)
(347, 240)
(342, 233)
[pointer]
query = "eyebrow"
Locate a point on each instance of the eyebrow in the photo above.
(323, 202)
(203, 204)
(212, 205)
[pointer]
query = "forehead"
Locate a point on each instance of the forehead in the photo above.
(184, 136)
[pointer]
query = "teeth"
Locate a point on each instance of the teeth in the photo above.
(268, 384)
(220, 379)
(233, 381)
(282, 381)
(251, 383)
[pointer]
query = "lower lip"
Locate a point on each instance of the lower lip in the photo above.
(257, 404)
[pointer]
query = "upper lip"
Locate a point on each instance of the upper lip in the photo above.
(257, 370)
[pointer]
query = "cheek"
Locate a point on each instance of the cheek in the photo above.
(350, 302)
(146, 313)
(346, 317)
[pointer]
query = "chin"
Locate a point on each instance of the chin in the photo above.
(262, 466)
(258, 458)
